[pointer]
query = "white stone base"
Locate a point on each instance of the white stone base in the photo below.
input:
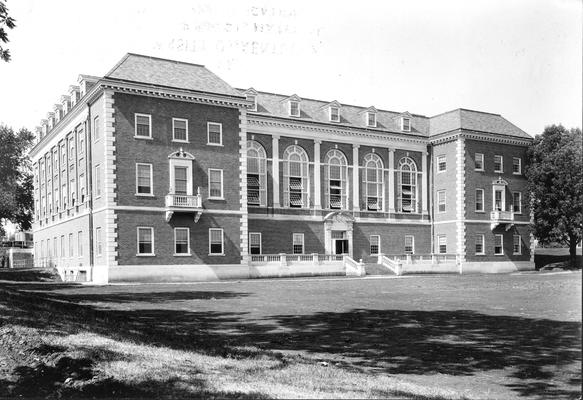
(496, 267)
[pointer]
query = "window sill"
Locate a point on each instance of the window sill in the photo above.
(182, 255)
(144, 195)
(143, 137)
(179, 141)
(479, 170)
(215, 144)
(480, 212)
(146, 255)
(480, 254)
(216, 198)
(216, 255)
(498, 254)
(517, 173)
(498, 172)
(516, 254)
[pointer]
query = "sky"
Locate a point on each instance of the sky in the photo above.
(518, 58)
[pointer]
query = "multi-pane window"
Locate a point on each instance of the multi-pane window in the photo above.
(98, 241)
(336, 170)
(498, 203)
(516, 244)
(214, 133)
(55, 249)
(371, 119)
(441, 201)
(406, 124)
(179, 130)
(97, 180)
(216, 241)
(256, 174)
(71, 245)
(215, 183)
(441, 163)
(334, 114)
(181, 241)
(64, 195)
(144, 179)
(143, 124)
(49, 249)
(294, 108)
(145, 241)
(373, 179)
(254, 243)
(96, 129)
(479, 244)
(516, 166)
(480, 200)
(498, 245)
(441, 244)
(375, 244)
(81, 142)
(180, 180)
(517, 202)
(80, 243)
(71, 148)
(498, 164)
(295, 177)
(63, 156)
(479, 161)
(252, 98)
(409, 244)
(407, 188)
(82, 187)
(298, 243)
(63, 246)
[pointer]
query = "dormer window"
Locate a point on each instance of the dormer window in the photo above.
(406, 124)
(252, 98)
(371, 119)
(294, 108)
(334, 114)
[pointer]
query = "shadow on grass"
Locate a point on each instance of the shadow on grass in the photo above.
(456, 343)
(30, 275)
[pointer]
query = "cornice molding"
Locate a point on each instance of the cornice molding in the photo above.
(483, 136)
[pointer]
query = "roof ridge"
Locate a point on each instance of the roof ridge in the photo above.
(165, 59)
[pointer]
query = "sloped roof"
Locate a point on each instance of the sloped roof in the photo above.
(474, 121)
(169, 73)
(350, 116)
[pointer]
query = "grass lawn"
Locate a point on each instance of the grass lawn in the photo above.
(544, 257)
(431, 337)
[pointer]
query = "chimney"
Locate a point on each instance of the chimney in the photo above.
(66, 103)
(74, 95)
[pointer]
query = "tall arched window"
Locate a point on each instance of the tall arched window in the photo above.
(256, 174)
(407, 196)
(336, 172)
(295, 177)
(374, 179)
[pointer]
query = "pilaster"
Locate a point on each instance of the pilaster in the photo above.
(460, 199)
(317, 170)
(275, 167)
(355, 179)
(244, 240)
(424, 197)
(110, 186)
(391, 181)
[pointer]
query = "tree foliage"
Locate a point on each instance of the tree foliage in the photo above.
(16, 187)
(6, 22)
(555, 177)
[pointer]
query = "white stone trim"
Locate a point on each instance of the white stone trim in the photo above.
(481, 136)
(461, 197)
(244, 225)
(110, 186)
(477, 221)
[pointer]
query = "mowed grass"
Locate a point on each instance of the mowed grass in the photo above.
(500, 336)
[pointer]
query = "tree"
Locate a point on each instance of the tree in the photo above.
(16, 187)
(555, 178)
(9, 23)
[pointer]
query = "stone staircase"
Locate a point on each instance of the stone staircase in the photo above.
(377, 269)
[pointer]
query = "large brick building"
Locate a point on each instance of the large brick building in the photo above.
(162, 171)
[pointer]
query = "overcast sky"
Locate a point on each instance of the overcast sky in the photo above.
(521, 59)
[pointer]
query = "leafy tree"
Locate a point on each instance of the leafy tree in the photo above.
(555, 178)
(8, 22)
(16, 202)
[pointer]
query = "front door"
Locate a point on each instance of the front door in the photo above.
(341, 246)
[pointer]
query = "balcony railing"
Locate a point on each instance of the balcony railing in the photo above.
(183, 203)
(501, 217)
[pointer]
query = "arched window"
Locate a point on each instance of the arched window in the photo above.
(295, 177)
(336, 172)
(256, 174)
(373, 179)
(407, 196)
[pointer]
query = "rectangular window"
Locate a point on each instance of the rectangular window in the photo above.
(143, 126)
(298, 243)
(216, 241)
(215, 183)
(145, 241)
(96, 129)
(180, 180)
(97, 180)
(441, 163)
(215, 133)
(516, 166)
(498, 164)
(406, 124)
(80, 244)
(253, 189)
(441, 244)
(441, 201)
(498, 204)
(294, 108)
(479, 244)
(98, 241)
(181, 241)
(516, 244)
(498, 245)
(517, 202)
(253, 99)
(49, 249)
(295, 192)
(254, 243)
(375, 244)
(334, 114)
(71, 148)
(63, 157)
(180, 130)
(371, 119)
(82, 187)
(144, 184)
(63, 246)
(71, 245)
(479, 200)
(479, 161)
(55, 249)
(409, 244)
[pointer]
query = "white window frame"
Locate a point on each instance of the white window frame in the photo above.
(136, 136)
(262, 171)
(412, 244)
(372, 161)
(439, 240)
(290, 108)
(331, 114)
(304, 175)
(260, 241)
(407, 166)
(340, 157)
(479, 156)
(481, 237)
(97, 182)
(501, 245)
(519, 203)
(368, 115)
(151, 180)
(254, 98)
(208, 133)
(501, 170)
(222, 196)
(483, 201)
(378, 244)
(441, 201)
(153, 252)
(174, 120)
(188, 250)
(298, 235)
(96, 130)
(438, 162)
(519, 166)
(222, 253)
(98, 242)
(406, 127)
(514, 252)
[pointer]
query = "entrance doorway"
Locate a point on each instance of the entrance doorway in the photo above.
(340, 241)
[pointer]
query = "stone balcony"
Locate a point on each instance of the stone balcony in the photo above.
(183, 203)
(501, 218)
